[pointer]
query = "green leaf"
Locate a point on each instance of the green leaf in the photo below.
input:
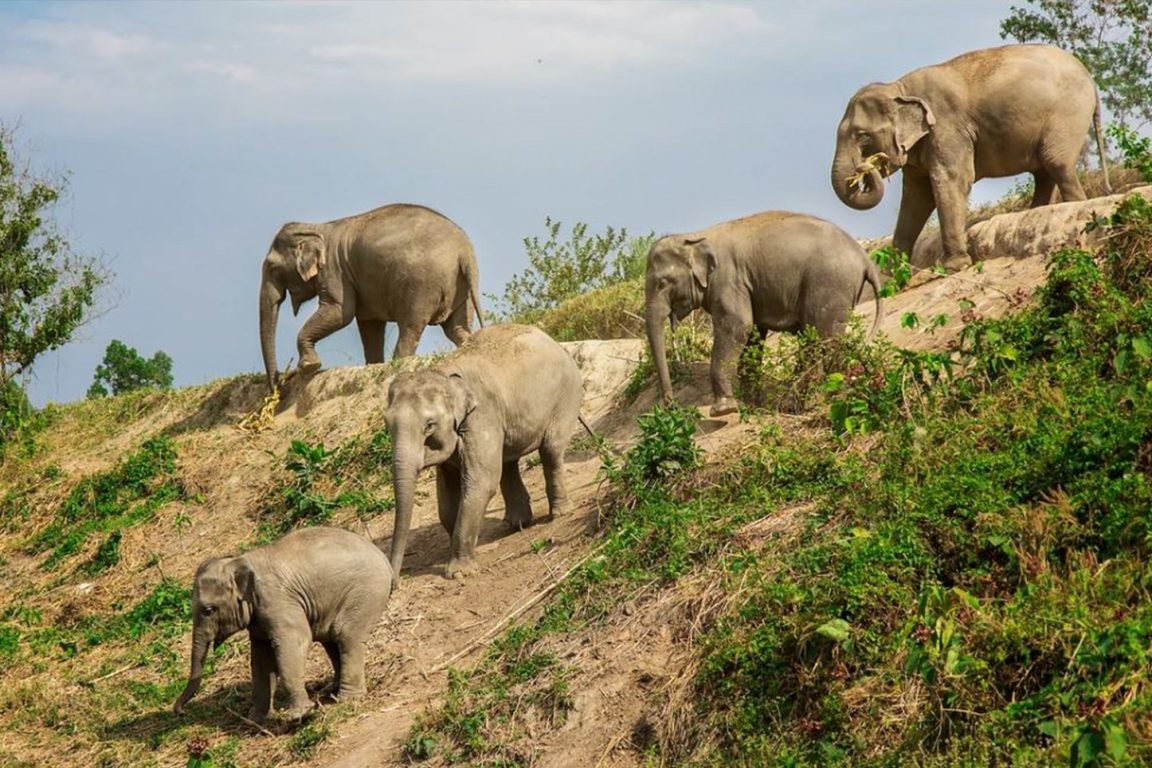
(1142, 347)
(909, 320)
(836, 630)
(1116, 741)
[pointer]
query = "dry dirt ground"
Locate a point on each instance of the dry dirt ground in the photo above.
(432, 623)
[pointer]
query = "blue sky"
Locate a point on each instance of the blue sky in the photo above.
(192, 131)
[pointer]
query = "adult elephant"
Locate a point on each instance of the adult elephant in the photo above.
(401, 263)
(772, 271)
(989, 113)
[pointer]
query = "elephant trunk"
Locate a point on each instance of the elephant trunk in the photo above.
(201, 644)
(861, 195)
(405, 467)
(656, 313)
(271, 296)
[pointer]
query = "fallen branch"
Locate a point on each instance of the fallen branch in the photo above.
(252, 723)
(120, 671)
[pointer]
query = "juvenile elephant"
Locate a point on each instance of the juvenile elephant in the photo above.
(405, 264)
(508, 391)
(989, 113)
(315, 584)
(775, 271)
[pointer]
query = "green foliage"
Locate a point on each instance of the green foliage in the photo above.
(322, 481)
(46, 291)
(106, 502)
(1136, 149)
(894, 263)
(123, 370)
(612, 312)
(1113, 39)
(665, 449)
(309, 736)
(563, 269)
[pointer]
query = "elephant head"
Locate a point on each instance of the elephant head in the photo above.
(880, 118)
(426, 416)
(675, 283)
(223, 596)
(293, 262)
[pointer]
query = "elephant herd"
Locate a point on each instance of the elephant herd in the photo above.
(510, 390)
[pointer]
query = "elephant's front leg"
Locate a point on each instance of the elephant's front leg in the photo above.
(263, 663)
(326, 320)
(730, 329)
(448, 495)
(916, 204)
(478, 489)
(290, 641)
(372, 338)
(517, 502)
(951, 185)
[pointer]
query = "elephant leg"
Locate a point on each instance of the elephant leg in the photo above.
(290, 642)
(556, 486)
(1068, 182)
(332, 649)
(408, 341)
(916, 204)
(951, 184)
(448, 495)
(326, 320)
(263, 664)
(474, 502)
(458, 326)
(372, 337)
(517, 502)
(352, 683)
(1045, 189)
(730, 331)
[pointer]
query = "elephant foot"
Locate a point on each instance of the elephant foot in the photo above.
(519, 520)
(309, 362)
(458, 568)
(724, 406)
(300, 712)
(258, 716)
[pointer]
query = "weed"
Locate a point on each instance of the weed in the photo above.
(311, 735)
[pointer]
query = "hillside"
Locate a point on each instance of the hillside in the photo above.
(113, 503)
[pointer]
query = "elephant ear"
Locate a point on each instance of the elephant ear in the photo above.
(914, 119)
(308, 252)
(246, 586)
(464, 401)
(702, 260)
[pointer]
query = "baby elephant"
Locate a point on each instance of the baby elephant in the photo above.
(507, 391)
(323, 584)
(772, 271)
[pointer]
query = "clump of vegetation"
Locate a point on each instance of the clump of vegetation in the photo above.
(124, 370)
(321, 481)
(613, 312)
(108, 502)
(562, 269)
(966, 585)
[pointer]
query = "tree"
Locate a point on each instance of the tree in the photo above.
(559, 270)
(1112, 37)
(124, 370)
(46, 290)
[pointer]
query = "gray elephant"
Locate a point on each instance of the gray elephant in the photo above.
(405, 264)
(314, 584)
(989, 113)
(508, 391)
(773, 271)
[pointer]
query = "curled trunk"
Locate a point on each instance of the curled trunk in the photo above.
(404, 471)
(655, 315)
(200, 647)
(271, 297)
(844, 167)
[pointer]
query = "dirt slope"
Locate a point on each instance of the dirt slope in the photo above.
(433, 623)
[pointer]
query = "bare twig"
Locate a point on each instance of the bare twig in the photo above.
(252, 723)
(120, 671)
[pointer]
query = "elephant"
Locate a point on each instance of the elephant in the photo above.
(401, 263)
(507, 391)
(988, 113)
(775, 271)
(314, 584)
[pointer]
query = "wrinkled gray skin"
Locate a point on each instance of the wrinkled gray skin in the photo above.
(315, 584)
(989, 113)
(772, 271)
(401, 263)
(508, 391)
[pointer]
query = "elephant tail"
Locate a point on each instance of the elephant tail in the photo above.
(1098, 129)
(872, 277)
(470, 274)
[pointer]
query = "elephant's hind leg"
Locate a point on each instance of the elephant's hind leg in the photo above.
(350, 683)
(1045, 189)
(458, 326)
(517, 502)
(408, 340)
(552, 459)
(332, 688)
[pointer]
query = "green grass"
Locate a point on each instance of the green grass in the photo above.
(966, 584)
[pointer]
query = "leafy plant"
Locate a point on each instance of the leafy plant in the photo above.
(895, 263)
(1136, 149)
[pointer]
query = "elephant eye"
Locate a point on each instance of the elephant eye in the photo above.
(863, 135)
(208, 610)
(429, 427)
